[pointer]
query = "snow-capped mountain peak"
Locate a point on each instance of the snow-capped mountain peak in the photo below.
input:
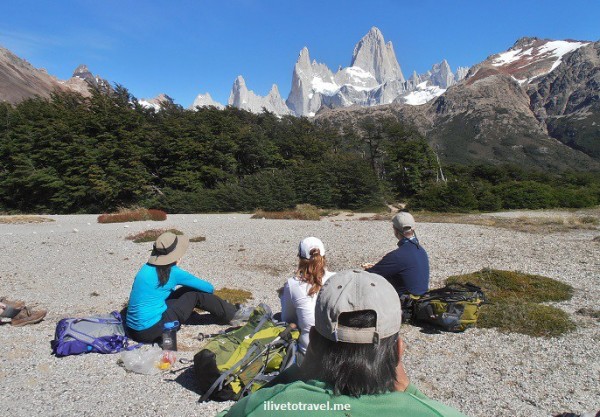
(528, 59)
(373, 55)
(157, 102)
(373, 78)
(243, 98)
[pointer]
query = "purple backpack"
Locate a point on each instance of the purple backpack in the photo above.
(101, 334)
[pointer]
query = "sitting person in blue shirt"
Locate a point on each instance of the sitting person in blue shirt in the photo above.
(154, 299)
(407, 267)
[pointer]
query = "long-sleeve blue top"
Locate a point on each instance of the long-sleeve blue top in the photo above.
(147, 301)
(406, 268)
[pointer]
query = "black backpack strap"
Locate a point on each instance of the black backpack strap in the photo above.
(232, 370)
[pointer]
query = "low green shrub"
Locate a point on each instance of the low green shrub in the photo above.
(513, 302)
(446, 197)
(501, 285)
(527, 195)
(526, 318)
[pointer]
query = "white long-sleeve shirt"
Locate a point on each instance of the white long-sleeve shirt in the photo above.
(298, 307)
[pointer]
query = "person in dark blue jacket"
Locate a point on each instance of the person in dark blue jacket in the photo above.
(406, 268)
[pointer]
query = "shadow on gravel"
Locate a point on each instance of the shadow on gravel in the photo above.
(186, 378)
(201, 319)
(431, 330)
(428, 328)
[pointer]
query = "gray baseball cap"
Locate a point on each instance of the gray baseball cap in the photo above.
(357, 290)
(403, 221)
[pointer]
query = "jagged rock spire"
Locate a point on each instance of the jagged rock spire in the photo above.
(245, 99)
(373, 55)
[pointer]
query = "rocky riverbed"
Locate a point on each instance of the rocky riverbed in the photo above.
(74, 267)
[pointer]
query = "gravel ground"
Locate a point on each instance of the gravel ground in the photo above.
(76, 267)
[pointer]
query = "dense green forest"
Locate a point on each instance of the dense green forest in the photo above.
(87, 155)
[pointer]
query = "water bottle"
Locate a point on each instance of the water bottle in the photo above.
(169, 335)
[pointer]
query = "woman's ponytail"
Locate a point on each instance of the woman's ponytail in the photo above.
(312, 271)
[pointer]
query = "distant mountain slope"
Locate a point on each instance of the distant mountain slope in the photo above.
(567, 100)
(19, 80)
(535, 105)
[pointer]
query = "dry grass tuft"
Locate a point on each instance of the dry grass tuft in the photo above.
(24, 219)
(301, 212)
(133, 215)
(234, 295)
(528, 224)
(150, 235)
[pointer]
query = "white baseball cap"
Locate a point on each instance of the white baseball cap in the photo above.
(308, 244)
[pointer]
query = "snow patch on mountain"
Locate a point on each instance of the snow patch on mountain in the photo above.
(532, 58)
(560, 49)
(423, 94)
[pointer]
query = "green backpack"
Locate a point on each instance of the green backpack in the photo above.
(454, 307)
(241, 361)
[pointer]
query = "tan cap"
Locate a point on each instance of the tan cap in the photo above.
(403, 221)
(357, 290)
(168, 248)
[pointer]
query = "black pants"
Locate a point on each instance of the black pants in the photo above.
(180, 306)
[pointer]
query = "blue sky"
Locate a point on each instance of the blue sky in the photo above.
(185, 47)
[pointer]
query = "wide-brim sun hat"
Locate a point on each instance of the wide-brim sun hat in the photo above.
(168, 248)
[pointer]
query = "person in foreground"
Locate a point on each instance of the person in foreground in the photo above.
(353, 365)
(18, 313)
(299, 294)
(407, 267)
(154, 299)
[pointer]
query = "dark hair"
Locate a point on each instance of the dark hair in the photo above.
(163, 272)
(351, 368)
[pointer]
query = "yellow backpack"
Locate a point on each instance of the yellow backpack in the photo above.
(241, 361)
(453, 308)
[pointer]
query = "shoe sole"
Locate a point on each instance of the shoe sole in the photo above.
(35, 321)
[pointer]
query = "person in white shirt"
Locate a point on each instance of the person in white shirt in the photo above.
(299, 294)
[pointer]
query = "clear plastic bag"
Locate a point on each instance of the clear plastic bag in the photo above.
(145, 360)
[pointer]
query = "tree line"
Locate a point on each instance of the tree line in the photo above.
(71, 154)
